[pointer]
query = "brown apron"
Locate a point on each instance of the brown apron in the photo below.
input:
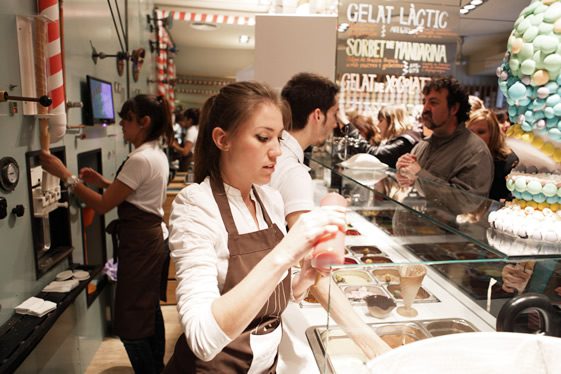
(246, 251)
(141, 254)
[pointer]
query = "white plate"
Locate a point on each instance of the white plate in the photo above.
(81, 275)
(64, 275)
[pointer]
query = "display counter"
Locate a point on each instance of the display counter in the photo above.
(469, 271)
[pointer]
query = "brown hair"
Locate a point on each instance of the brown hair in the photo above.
(456, 95)
(155, 107)
(497, 144)
(228, 110)
(193, 114)
(306, 92)
(476, 103)
(397, 120)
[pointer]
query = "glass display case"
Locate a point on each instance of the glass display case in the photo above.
(422, 262)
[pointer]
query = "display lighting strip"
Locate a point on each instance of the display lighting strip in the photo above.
(196, 91)
(203, 81)
(471, 6)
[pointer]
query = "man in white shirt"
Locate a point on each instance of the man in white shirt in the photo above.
(313, 101)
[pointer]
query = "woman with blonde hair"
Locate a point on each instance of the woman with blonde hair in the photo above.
(484, 123)
(394, 135)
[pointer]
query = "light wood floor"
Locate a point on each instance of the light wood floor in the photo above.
(111, 357)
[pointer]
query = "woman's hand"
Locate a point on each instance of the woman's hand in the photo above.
(319, 224)
(91, 176)
(53, 165)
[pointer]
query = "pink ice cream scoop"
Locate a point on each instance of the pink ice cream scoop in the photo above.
(331, 251)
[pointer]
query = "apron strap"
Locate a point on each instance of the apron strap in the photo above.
(221, 199)
(223, 205)
(265, 214)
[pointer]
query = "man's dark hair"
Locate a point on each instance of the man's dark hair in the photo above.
(305, 92)
(192, 114)
(456, 94)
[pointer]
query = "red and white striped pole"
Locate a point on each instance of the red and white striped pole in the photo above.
(55, 80)
(171, 86)
(161, 57)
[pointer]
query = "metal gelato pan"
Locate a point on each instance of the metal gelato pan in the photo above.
(335, 352)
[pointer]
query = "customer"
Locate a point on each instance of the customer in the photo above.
(504, 123)
(232, 262)
(363, 127)
(452, 154)
(484, 124)
(307, 94)
(394, 136)
(476, 103)
(138, 191)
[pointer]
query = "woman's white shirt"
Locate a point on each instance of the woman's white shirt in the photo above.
(199, 245)
(146, 172)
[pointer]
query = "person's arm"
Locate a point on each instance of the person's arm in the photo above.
(113, 196)
(235, 309)
(333, 299)
(91, 176)
(116, 193)
(390, 152)
(211, 320)
(185, 150)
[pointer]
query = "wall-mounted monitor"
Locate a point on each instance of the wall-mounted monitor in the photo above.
(100, 108)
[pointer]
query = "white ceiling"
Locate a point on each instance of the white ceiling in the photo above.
(218, 53)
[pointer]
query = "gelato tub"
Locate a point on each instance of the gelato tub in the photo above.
(352, 277)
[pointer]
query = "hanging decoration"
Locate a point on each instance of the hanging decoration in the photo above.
(208, 18)
(55, 76)
(165, 54)
(122, 56)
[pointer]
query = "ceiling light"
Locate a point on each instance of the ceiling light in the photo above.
(469, 7)
(244, 39)
(464, 11)
(204, 26)
(476, 2)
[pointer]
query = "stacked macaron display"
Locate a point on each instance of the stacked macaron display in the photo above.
(528, 223)
(529, 76)
(538, 191)
(530, 79)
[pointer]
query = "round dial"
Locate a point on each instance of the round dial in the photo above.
(9, 174)
(13, 173)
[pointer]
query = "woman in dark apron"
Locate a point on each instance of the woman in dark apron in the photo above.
(138, 192)
(227, 238)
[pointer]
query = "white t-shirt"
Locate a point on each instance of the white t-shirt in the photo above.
(192, 134)
(292, 177)
(294, 182)
(146, 172)
(199, 245)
